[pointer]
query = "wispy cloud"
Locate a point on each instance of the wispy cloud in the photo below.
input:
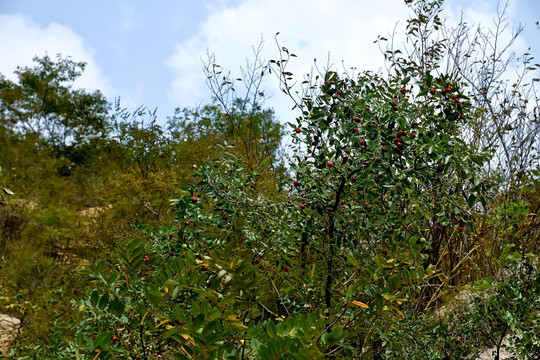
(21, 39)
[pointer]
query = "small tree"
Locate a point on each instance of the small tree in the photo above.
(43, 103)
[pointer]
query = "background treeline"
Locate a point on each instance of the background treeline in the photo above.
(83, 172)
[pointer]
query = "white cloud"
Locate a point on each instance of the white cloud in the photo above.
(309, 28)
(21, 39)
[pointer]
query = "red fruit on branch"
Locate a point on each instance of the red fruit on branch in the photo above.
(384, 251)
(302, 206)
(432, 90)
(401, 133)
(460, 229)
(355, 129)
(403, 90)
(296, 183)
(298, 130)
(286, 268)
(224, 216)
(330, 164)
(194, 199)
(357, 119)
(456, 221)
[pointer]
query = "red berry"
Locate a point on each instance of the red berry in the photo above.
(404, 283)
(401, 133)
(330, 164)
(302, 206)
(296, 182)
(462, 116)
(354, 179)
(339, 92)
(384, 251)
(342, 202)
(187, 223)
(194, 199)
(460, 229)
(114, 338)
(286, 268)
(171, 253)
(362, 142)
(355, 129)
(330, 118)
(205, 267)
(457, 340)
(357, 119)
(200, 256)
(456, 221)
(313, 143)
(432, 90)
(403, 90)
(224, 216)
(384, 149)
(298, 130)
(116, 286)
(171, 234)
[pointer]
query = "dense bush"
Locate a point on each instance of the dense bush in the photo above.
(386, 234)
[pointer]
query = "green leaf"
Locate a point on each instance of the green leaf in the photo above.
(94, 298)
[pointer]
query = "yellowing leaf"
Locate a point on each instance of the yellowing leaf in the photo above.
(398, 312)
(163, 322)
(391, 261)
(189, 356)
(239, 325)
(361, 304)
(232, 318)
(188, 338)
(387, 267)
(169, 327)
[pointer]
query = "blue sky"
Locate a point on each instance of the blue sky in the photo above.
(149, 53)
